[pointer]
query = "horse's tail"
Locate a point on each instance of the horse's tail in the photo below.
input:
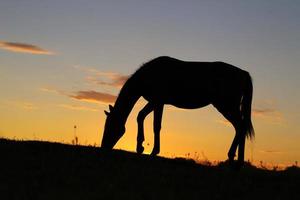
(246, 106)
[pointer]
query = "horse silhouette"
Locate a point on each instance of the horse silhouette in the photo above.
(188, 85)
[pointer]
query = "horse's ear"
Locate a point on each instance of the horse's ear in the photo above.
(107, 113)
(110, 108)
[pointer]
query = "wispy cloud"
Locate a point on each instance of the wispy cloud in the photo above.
(53, 90)
(93, 96)
(28, 106)
(112, 80)
(268, 114)
(262, 111)
(76, 107)
(83, 95)
(23, 48)
(97, 77)
(267, 110)
(271, 151)
(23, 105)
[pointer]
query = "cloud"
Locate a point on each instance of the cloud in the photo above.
(88, 96)
(76, 107)
(93, 96)
(23, 105)
(23, 48)
(97, 77)
(271, 151)
(109, 79)
(29, 106)
(53, 90)
(262, 112)
(271, 115)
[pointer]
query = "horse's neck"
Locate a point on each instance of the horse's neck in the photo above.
(125, 102)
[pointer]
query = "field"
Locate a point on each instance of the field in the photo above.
(44, 170)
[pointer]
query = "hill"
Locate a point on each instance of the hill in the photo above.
(44, 170)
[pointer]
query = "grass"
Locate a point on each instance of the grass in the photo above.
(44, 170)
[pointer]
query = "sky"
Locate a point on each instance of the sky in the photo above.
(62, 62)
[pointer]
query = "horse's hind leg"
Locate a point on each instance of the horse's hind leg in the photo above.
(158, 111)
(233, 115)
(140, 120)
(242, 140)
(238, 141)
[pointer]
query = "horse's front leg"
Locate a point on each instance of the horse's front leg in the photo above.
(158, 111)
(140, 120)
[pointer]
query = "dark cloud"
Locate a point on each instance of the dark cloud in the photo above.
(23, 48)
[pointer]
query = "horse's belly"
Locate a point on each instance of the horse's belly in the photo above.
(189, 105)
(188, 101)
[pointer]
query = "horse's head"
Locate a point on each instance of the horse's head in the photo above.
(113, 129)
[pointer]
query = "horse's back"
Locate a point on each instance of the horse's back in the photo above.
(167, 70)
(169, 79)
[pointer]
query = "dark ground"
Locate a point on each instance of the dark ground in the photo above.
(44, 170)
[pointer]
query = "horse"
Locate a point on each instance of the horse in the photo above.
(187, 85)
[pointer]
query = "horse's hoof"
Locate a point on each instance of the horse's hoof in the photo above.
(140, 149)
(154, 152)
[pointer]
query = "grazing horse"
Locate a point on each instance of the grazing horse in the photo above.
(188, 85)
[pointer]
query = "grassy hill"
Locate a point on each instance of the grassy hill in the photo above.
(44, 170)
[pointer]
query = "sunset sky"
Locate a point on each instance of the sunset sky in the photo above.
(62, 62)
